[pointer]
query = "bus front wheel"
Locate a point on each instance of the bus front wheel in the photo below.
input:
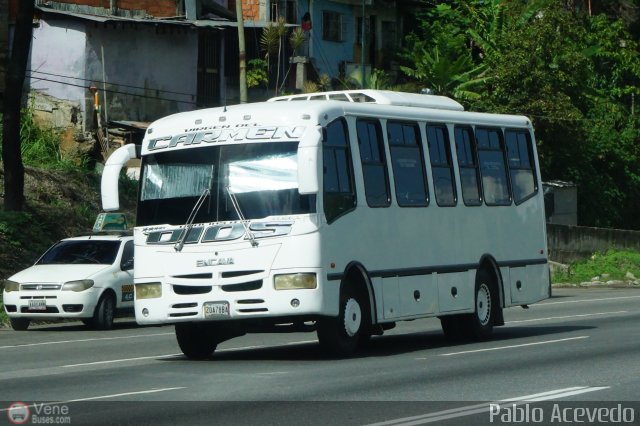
(196, 340)
(341, 336)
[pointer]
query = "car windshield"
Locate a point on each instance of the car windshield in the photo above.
(262, 176)
(81, 252)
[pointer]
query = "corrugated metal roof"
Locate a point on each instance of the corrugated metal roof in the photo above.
(200, 23)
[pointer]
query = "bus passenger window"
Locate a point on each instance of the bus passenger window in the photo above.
(339, 194)
(374, 164)
(520, 165)
(405, 145)
(441, 165)
(468, 166)
(492, 167)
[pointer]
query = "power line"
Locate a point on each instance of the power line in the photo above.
(106, 82)
(115, 91)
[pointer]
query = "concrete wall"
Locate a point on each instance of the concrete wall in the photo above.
(570, 243)
(148, 69)
(57, 70)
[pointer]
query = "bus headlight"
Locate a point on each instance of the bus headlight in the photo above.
(79, 285)
(148, 291)
(295, 281)
(10, 286)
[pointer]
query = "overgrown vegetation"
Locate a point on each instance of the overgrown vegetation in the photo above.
(62, 200)
(575, 74)
(614, 265)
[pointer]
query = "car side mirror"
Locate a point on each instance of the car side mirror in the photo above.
(127, 265)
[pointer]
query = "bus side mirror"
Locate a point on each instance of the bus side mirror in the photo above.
(111, 176)
(308, 161)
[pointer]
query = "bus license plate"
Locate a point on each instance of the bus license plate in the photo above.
(216, 309)
(37, 305)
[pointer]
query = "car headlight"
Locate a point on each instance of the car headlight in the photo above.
(10, 286)
(148, 290)
(295, 281)
(79, 285)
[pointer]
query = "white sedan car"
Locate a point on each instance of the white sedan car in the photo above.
(89, 278)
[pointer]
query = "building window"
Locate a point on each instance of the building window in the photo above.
(495, 184)
(331, 26)
(519, 152)
(441, 165)
(405, 146)
(339, 194)
(374, 164)
(468, 166)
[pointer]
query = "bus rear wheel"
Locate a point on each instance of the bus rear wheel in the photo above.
(480, 324)
(196, 340)
(341, 336)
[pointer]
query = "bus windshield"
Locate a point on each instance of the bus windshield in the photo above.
(262, 176)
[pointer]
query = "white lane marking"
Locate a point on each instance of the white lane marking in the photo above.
(111, 361)
(546, 342)
(568, 316)
(60, 342)
(93, 398)
(585, 300)
(485, 407)
(241, 348)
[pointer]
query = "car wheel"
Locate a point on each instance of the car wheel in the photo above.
(197, 340)
(342, 335)
(20, 324)
(104, 313)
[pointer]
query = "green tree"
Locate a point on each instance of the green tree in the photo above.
(574, 74)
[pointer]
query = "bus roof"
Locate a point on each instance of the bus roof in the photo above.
(379, 97)
(308, 112)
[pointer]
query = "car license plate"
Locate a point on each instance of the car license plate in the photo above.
(216, 309)
(37, 305)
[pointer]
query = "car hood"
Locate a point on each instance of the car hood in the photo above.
(57, 273)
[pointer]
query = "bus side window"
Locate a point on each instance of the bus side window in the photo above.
(405, 145)
(468, 166)
(519, 152)
(441, 165)
(374, 164)
(495, 184)
(339, 194)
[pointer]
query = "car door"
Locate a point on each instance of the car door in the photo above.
(124, 284)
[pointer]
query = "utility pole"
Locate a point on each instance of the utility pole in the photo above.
(243, 55)
(362, 47)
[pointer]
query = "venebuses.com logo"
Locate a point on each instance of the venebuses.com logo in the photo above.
(18, 413)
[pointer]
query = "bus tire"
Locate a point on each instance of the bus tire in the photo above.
(104, 313)
(452, 327)
(20, 324)
(341, 336)
(480, 324)
(196, 340)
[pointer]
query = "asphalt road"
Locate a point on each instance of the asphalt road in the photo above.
(578, 350)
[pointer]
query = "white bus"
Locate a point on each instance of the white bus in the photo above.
(343, 213)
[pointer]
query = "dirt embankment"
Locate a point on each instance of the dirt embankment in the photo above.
(59, 204)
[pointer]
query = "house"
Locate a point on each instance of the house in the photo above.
(133, 60)
(103, 61)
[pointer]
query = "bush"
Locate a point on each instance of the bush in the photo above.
(612, 265)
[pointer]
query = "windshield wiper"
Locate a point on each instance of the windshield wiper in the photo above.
(236, 207)
(183, 236)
